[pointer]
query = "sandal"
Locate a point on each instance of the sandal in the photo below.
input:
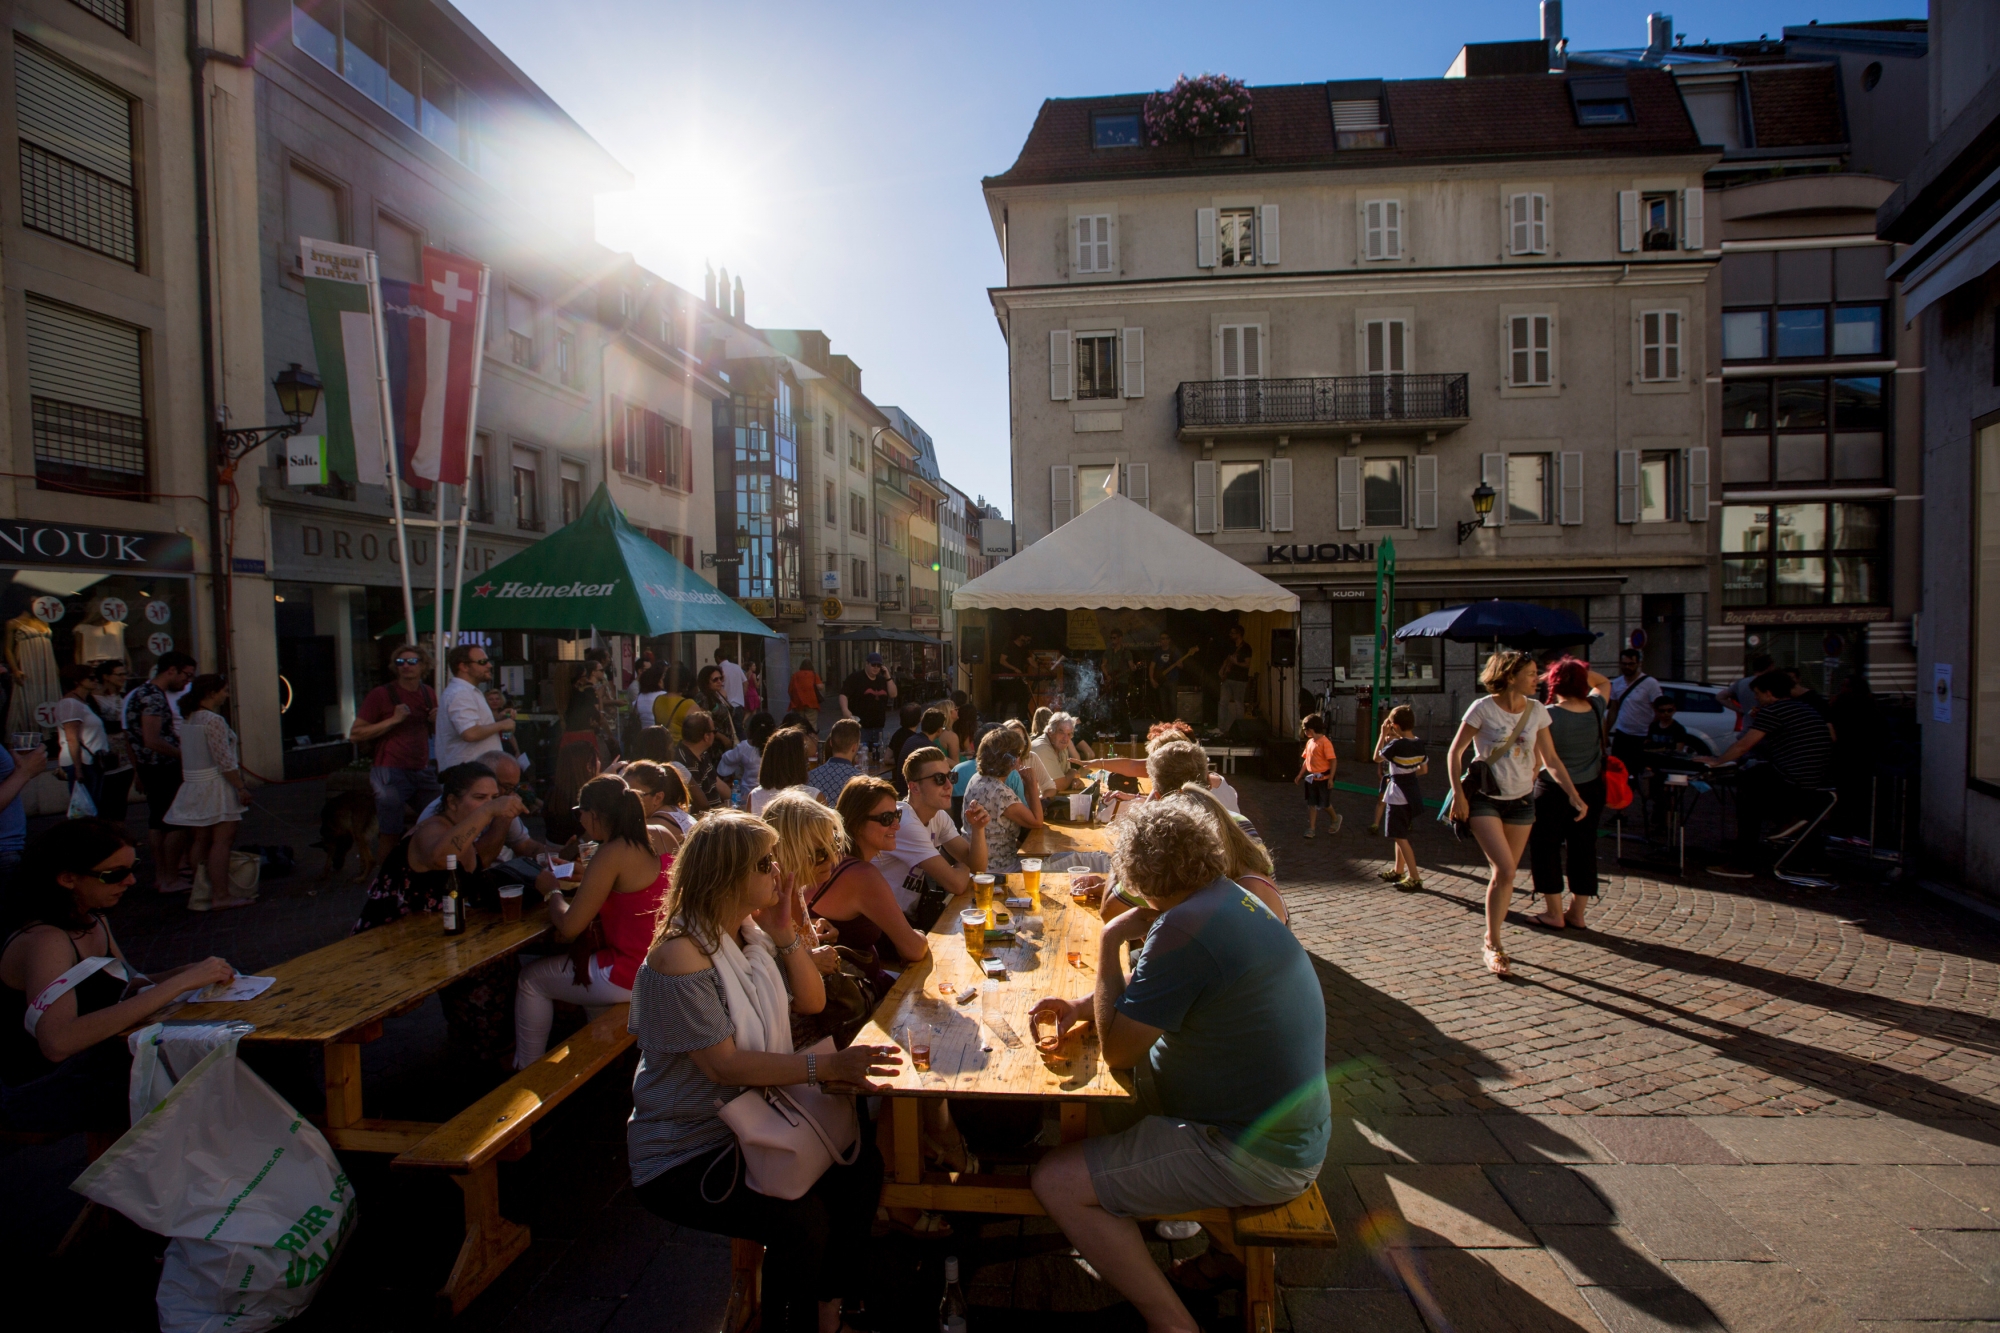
(1392, 876)
(1496, 961)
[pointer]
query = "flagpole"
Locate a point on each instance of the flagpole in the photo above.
(389, 450)
(471, 438)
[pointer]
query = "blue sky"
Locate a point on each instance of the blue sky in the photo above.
(831, 155)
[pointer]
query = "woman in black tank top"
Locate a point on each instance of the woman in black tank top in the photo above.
(61, 967)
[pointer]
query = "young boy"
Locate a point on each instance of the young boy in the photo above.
(1402, 755)
(1316, 774)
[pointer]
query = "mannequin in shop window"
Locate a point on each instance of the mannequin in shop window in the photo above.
(30, 647)
(99, 639)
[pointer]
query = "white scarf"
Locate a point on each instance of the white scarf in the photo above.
(754, 989)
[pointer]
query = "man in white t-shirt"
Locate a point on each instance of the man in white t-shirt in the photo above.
(465, 726)
(1632, 696)
(732, 678)
(927, 833)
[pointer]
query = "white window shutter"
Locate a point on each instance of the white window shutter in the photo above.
(1691, 225)
(1628, 485)
(1134, 344)
(1281, 495)
(1080, 246)
(1062, 380)
(1138, 484)
(1347, 494)
(1569, 492)
(1392, 229)
(1695, 466)
(1267, 235)
(1493, 471)
(1204, 497)
(1538, 223)
(1062, 495)
(1109, 254)
(1371, 229)
(1517, 224)
(1426, 511)
(1628, 221)
(1204, 238)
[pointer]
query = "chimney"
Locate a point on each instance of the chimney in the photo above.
(708, 283)
(1659, 35)
(722, 288)
(740, 315)
(1552, 33)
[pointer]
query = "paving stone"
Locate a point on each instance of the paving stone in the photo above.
(1350, 1143)
(1970, 1141)
(1434, 1138)
(1546, 1138)
(1547, 1194)
(1766, 1139)
(1477, 1291)
(1343, 1311)
(1599, 1256)
(1763, 1298)
(1979, 1251)
(1650, 1310)
(1978, 1186)
(1670, 1217)
(1436, 1205)
(1905, 1196)
(1641, 1140)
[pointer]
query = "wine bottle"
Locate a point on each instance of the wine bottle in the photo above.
(951, 1310)
(454, 906)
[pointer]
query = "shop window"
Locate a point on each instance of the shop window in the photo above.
(1803, 555)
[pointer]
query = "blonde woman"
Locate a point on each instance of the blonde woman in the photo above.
(712, 1011)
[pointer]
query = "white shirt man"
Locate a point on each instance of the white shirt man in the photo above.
(927, 833)
(1632, 695)
(465, 728)
(732, 681)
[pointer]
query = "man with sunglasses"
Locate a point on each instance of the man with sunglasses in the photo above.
(465, 725)
(397, 718)
(928, 844)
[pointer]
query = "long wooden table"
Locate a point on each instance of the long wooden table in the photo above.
(338, 997)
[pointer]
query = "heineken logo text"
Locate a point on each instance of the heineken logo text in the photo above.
(514, 589)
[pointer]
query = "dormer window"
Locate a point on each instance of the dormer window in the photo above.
(1601, 100)
(1116, 129)
(1358, 124)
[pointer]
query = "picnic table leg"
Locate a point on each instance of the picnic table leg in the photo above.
(343, 1084)
(907, 1127)
(491, 1241)
(1260, 1288)
(1073, 1121)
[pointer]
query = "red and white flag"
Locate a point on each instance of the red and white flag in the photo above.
(443, 350)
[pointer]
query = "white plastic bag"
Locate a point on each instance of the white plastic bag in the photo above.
(253, 1198)
(80, 804)
(163, 1052)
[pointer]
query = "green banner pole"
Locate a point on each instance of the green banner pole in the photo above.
(1385, 625)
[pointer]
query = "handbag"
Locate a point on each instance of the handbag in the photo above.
(1478, 779)
(850, 1000)
(789, 1136)
(1617, 784)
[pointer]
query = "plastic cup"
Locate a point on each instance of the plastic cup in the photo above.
(973, 922)
(510, 902)
(920, 1054)
(1031, 877)
(982, 895)
(26, 742)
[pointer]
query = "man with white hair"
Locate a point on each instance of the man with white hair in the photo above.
(1051, 752)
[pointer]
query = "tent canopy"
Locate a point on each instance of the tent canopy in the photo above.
(881, 634)
(1118, 554)
(598, 573)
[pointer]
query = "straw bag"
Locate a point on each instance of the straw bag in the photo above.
(788, 1137)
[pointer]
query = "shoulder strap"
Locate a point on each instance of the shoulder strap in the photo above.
(1527, 711)
(833, 879)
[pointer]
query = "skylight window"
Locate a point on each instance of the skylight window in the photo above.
(1601, 101)
(1116, 130)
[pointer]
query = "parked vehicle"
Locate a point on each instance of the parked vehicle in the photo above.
(1699, 709)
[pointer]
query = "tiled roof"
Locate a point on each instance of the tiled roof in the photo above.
(1430, 120)
(1796, 107)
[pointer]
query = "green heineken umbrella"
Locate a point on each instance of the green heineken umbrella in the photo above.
(597, 573)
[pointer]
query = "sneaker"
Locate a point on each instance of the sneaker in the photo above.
(1181, 1230)
(1333, 821)
(1310, 833)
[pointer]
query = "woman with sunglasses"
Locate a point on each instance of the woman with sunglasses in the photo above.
(854, 896)
(67, 993)
(622, 890)
(709, 696)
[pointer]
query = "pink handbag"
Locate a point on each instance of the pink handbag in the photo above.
(789, 1136)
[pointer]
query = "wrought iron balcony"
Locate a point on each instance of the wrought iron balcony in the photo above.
(1325, 405)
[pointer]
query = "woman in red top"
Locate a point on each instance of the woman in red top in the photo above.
(622, 890)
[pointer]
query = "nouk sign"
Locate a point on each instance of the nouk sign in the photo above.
(1326, 553)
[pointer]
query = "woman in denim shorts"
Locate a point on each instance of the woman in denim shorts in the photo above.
(1509, 731)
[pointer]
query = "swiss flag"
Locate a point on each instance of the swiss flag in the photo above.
(443, 350)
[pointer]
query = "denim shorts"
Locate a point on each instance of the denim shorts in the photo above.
(396, 787)
(1165, 1165)
(1520, 810)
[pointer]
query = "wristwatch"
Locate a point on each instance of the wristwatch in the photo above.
(786, 950)
(812, 1071)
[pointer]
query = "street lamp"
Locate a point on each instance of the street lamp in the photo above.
(1482, 505)
(298, 397)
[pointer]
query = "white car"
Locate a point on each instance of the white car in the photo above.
(1699, 708)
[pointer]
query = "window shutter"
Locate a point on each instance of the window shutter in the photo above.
(1538, 224)
(1425, 513)
(1399, 347)
(1371, 229)
(1695, 465)
(1138, 484)
(1204, 497)
(1347, 494)
(1569, 488)
(617, 434)
(1517, 224)
(1670, 323)
(687, 552)
(1134, 341)
(1628, 485)
(1392, 229)
(1204, 238)
(1062, 380)
(1062, 497)
(1493, 471)
(1517, 349)
(687, 459)
(1267, 235)
(1253, 357)
(656, 448)
(1281, 495)
(1079, 261)
(1691, 224)
(1543, 328)
(1628, 221)
(1108, 254)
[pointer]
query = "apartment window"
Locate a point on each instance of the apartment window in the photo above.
(1803, 555)
(1601, 100)
(527, 489)
(1382, 229)
(1660, 345)
(857, 453)
(1382, 491)
(478, 475)
(572, 492)
(521, 327)
(1815, 429)
(1385, 347)
(1096, 365)
(1242, 353)
(388, 68)
(826, 434)
(860, 570)
(399, 251)
(76, 156)
(1657, 495)
(566, 357)
(1528, 224)
(1804, 304)
(831, 581)
(1093, 243)
(1242, 496)
(1091, 479)
(1237, 232)
(1357, 123)
(313, 206)
(1656, 222)
(832, 506)
(1529, 499)
(115, 12)
(857, 512)
(87, 400)
(1117, 129)
(1529, 355)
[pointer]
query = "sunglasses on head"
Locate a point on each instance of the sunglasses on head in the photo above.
(115, 875)
(887, 819)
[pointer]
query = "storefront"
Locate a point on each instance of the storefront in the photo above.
(74, 593)
(1806, 581)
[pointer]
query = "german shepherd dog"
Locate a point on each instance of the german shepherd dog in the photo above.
(348, 820)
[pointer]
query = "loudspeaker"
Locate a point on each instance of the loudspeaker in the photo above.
(972, 645)
(1284, 647)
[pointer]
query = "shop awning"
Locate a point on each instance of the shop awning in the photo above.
(881, 634)
(1118, 554)
(598, 573)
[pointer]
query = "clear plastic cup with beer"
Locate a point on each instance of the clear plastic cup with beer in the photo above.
(982, 896)
(1031, 877)
(973, 922)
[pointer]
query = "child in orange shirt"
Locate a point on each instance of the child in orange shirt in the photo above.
(1316, 774)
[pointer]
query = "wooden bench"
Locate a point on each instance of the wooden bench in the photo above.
(472, 1143)
(1251, 1235)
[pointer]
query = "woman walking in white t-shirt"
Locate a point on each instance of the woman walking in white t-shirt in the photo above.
(1508, 731)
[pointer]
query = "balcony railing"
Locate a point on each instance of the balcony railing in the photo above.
(1322, 405)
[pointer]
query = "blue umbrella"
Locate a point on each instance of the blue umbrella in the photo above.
(1516, 624)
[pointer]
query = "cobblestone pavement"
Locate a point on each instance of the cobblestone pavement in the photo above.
(1728, 1105)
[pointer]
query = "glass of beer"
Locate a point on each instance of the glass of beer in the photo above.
(920, 1051)
(1031, 878)
(510, 902)
(973, 922)
(982, 895)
